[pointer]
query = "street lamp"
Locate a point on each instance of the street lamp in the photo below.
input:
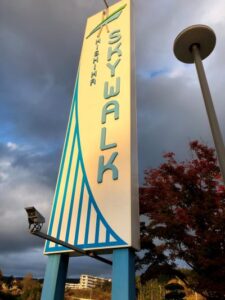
(192, 45)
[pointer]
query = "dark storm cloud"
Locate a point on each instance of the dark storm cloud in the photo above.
(171, 111)
(27, 178)
(45, 163)
(167, 121)
(13, 263)
(32, 71)
(40, 46)
(83, 265)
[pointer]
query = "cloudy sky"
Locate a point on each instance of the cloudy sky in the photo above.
(40, 42)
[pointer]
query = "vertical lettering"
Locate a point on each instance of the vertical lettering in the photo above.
(107, 110)
(113, 67)
(111, 92)
(102, 168)
(112, 51)
(103, 145)
(115, 36)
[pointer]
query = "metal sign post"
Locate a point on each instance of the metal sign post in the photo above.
(191, 46)
(123, 275)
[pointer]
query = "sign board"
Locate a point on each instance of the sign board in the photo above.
(95, 206)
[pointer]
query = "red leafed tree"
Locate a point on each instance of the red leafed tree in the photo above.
(185, 206)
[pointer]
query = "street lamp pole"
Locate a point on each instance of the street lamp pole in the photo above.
(193, 45)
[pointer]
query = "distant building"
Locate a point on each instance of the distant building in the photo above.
(72, 286)
(87, 282)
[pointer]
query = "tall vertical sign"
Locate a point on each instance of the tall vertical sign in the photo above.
(95, 205)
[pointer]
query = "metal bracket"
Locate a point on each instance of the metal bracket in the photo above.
(45, 236)
(105, 15)
(36, 220)
(106, 4)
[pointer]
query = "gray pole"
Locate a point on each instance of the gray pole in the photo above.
(191, 46)
(216, 133)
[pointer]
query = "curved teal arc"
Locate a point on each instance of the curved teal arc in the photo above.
(99, 214)
(62, 162)
(116, 240)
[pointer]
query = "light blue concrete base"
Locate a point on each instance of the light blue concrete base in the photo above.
(55, 277)
(123, 274)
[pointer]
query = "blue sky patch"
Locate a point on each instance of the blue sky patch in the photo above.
(157, 73)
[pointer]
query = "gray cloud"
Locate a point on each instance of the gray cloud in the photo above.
(13, 264)
(170, 106)
(26, 179)
(40, 46)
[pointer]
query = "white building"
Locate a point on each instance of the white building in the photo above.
(87, 282)
(73, 286)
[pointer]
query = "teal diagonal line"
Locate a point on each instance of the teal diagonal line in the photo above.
(111, 238)
(115, 15)
(58, 184)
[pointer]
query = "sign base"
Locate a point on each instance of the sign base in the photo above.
(55, 277)
(123, 274)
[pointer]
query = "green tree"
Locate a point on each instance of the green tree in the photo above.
(151, 290)
(105, 286)
(185, 206)
(1, 277)
(7, 296)
(9, 281)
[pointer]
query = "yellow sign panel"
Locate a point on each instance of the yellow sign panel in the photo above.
(96, 199)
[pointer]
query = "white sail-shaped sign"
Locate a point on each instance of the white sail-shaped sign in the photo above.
(95, 206)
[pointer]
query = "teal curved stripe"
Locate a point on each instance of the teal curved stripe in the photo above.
(58, 184)
(71, 202)
(92, 205)
(66, 186)
(115, 15)
(99, 214)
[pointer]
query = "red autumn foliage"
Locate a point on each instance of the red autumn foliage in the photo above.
(185, 203)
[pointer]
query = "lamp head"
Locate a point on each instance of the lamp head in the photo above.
(35, 219)
(201, 35)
